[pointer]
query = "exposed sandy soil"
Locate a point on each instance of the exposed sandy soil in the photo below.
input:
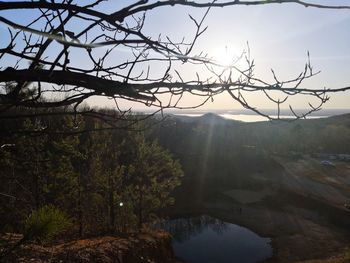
(310, 177)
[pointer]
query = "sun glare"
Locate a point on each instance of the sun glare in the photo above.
(225, 56)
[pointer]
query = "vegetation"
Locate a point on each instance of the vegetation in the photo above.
(222, 150)
(118, 181)
(57, 172)
(42, 224)
(347, 254)
(45, 223)
(111, 181)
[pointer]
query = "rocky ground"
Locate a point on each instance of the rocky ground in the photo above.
(150, 247)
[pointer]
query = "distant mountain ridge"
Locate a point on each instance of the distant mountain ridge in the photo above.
(215, 119)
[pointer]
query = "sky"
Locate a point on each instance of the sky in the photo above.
(279, 37)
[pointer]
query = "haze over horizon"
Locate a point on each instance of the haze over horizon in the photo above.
(279, 37)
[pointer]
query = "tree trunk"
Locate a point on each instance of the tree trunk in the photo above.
(111, 204)
(140, 210)
(80, 208)
(36, 189)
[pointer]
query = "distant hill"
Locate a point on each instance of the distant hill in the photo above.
(207, 118)
(215, 119)
(212, 119)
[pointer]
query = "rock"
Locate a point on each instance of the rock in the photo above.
(152, 247)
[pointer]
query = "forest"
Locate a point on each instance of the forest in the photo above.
(61, 184)
(100, 182)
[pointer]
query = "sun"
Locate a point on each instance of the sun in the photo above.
(225, 56)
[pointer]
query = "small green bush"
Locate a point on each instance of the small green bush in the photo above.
(45, 223)
(347, 254)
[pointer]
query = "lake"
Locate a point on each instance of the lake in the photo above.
(247, 117)
(205, 239)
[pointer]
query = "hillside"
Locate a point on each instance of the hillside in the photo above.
(288, 181)
(274, 173)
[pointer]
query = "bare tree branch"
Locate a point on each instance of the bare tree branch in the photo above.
(119, 58)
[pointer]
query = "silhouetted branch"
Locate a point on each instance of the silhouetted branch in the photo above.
(120, 60)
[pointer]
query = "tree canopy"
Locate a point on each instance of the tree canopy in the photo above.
(113, 180)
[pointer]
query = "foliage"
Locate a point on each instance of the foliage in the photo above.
(41, 225)
(37, 170)
(88, 175)
(153, 176)
(347, 254)
(123, 167)
(45, 223)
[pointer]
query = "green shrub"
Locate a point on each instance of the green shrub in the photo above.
(347, 254)
(45, 223)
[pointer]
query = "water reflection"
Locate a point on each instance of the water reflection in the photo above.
(205, 239)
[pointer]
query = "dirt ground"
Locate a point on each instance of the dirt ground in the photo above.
(152, 246)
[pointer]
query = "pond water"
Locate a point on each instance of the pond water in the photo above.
(205, 240)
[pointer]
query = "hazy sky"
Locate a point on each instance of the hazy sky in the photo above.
(279, 36)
